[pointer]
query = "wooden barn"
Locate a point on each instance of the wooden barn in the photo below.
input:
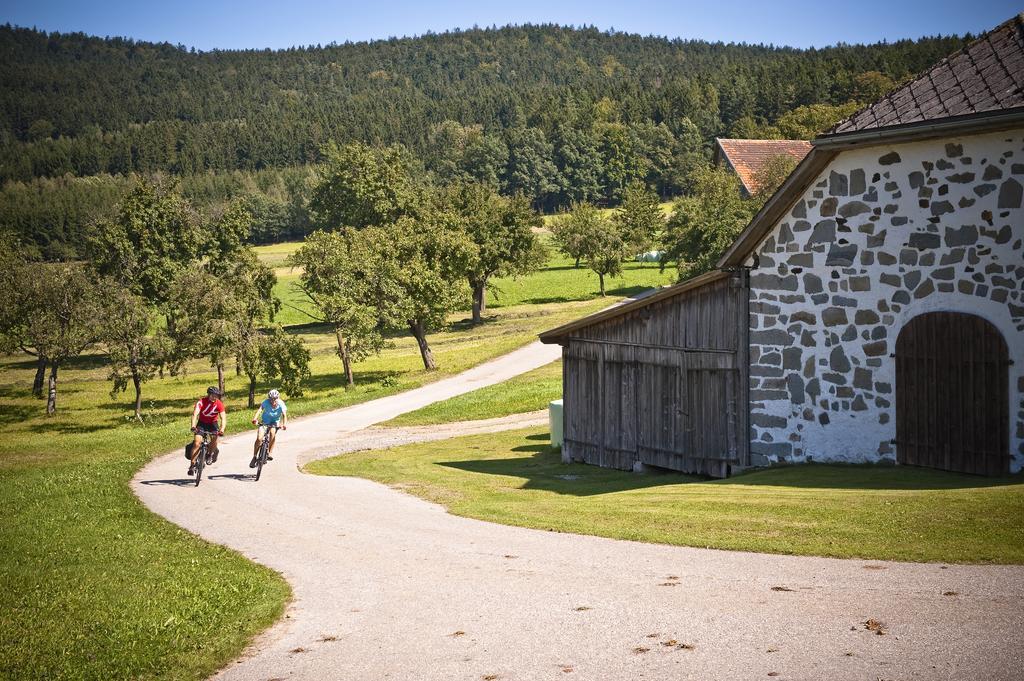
(873, 310)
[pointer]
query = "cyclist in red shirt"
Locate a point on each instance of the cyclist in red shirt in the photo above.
(208, 416)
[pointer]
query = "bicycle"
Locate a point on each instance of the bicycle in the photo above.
(261, 457)
(200, 460)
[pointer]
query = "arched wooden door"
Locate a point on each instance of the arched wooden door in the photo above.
(952, 394)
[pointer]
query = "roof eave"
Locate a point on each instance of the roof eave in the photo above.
(560, 334)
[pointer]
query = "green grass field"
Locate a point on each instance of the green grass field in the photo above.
(96, 586)
(879, 513)
(558, 282)
(528, 392)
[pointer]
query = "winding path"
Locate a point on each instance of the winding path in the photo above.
(390, 587)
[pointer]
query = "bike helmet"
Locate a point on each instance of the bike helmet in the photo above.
(214, 390)
(273, 394)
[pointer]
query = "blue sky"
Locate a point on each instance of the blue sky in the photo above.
(276, 24)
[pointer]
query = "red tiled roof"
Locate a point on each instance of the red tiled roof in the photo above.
(985, 76)
(747, 157)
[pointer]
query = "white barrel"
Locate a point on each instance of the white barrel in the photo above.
(555, 423)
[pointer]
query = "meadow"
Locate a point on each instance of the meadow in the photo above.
(95, 585)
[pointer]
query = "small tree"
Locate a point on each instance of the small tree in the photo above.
(275, 355)
(702, 226)
(343, 276)
(500, 230)
(135, 354)
(64, 317)
(573, 231)
(605, 252)
(639, 219)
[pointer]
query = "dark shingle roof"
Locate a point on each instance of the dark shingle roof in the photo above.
(747, 157)
(987, 75)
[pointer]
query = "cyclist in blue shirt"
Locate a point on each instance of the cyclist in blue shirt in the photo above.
(271, 412)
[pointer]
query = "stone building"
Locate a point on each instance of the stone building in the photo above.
(883, 300)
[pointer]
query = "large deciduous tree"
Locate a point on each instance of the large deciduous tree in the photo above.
(424, 263)
(502, 235)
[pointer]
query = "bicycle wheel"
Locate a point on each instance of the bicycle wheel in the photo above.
(200, 463)
(262, 458)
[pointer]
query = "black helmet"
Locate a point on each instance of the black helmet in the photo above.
(214, 390)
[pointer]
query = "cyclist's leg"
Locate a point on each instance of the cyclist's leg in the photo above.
(273, 439)
(256, 446)
(197, 443)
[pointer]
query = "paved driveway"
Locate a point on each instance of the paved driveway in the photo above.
(390, 587)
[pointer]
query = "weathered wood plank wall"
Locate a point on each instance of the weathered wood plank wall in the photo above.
(664, 385)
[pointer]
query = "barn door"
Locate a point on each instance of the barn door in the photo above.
(952, 394)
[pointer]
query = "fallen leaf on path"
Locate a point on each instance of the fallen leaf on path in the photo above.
(669, 584)
(567, 670)
(581, 608)
(297, 650)
(456, 634)
(876, 626)
(773, 673)
(325, 639)
(686, 646)
(848, 654)
(673, 577)
(489, 677)
(653, 635)
(509, 555)
(870, 566)
(772, 650)
(781, 588)
(950, 593)
(640, 649)
(669, 643)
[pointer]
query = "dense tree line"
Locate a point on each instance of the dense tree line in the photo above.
(55, 216)
(558, 115)
(85, 105)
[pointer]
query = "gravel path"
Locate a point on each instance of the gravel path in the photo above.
(388, 586)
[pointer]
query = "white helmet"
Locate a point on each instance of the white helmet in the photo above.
(273, 394)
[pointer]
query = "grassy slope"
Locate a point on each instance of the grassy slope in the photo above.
(528, 392)
(841, 511)
(95, 585)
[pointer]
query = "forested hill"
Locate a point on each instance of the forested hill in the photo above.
(84, 105)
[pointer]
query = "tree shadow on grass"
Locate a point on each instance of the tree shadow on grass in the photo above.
(18, 413)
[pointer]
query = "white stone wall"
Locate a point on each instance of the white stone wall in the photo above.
(883, 235)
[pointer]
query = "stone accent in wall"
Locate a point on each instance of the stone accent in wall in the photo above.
(882, 237)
